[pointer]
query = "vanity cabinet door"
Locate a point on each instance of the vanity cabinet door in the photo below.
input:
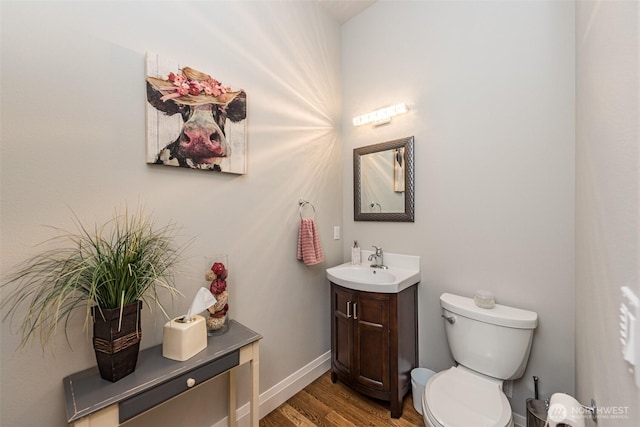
(371, 340)
(342, 302)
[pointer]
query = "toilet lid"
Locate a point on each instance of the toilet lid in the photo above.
(458, 398)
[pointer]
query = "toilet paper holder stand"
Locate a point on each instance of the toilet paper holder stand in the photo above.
(561, 399)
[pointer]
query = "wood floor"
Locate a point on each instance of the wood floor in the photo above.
(325, 404)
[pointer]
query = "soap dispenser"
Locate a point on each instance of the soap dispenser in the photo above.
(355, 253)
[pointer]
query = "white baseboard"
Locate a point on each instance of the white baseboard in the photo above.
(283, 391)
(519, 420)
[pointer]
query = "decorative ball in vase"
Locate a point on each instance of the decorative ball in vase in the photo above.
(218, 320)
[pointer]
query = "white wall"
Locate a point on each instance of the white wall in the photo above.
(607, 200)
(73, 136)
(490, 86)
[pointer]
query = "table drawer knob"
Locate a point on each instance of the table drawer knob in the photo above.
(191, 382)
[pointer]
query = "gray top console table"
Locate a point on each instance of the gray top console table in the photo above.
(93, 401)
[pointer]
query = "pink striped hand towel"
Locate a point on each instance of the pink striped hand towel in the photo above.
(309, 249)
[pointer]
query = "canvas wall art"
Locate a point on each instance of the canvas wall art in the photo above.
(193, 120)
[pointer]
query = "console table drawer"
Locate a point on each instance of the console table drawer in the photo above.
(138, 404)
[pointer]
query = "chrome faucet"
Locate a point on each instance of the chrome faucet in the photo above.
(377, 256)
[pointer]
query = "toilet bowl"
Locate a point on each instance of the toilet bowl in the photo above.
(490, 345)
(459, 397)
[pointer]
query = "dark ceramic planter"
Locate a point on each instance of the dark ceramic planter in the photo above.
(116, 343)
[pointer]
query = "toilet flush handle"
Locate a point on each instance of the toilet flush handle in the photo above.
(450, 319)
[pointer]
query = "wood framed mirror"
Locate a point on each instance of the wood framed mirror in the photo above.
(383, 181)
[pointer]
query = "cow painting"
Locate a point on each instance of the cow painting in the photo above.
(205, 106)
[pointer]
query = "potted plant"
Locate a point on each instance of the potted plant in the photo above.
(108, 271)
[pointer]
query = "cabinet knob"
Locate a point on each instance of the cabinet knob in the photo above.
(348, 309)
(191, 382)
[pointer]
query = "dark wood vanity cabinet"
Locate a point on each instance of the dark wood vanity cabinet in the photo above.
(374, 342)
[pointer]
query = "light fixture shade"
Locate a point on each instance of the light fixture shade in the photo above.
(381, 116)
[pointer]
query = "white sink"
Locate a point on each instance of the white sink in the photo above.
(403, 271)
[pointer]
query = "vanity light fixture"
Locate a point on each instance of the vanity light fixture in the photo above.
(381, 116)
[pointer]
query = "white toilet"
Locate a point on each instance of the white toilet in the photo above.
(490, 346)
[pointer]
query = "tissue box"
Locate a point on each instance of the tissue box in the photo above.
(183, 340)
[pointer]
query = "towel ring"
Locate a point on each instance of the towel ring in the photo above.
(302, 204)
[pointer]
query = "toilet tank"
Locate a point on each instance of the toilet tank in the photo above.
(494, 342)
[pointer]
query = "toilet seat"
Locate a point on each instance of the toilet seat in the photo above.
(459, 397)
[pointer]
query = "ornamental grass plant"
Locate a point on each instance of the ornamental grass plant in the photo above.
(125, 260)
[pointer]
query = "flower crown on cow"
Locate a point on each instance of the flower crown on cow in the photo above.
(193, 87)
